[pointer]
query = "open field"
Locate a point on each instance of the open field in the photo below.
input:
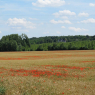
(48, 72)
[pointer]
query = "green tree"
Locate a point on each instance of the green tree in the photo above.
(25, 39)
(40, 48)
(49, 47)
(55, 46)
(62, 46)
(19, 47)
(13, 45)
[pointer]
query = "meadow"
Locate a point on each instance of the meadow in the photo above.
(69, 72)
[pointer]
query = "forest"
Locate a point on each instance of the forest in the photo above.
(15, 42)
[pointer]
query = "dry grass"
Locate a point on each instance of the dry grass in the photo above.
(70, 73)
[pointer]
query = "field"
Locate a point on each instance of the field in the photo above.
(47, 73)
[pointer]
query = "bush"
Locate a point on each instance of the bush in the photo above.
(31, 49)
(2, 90)
(49, 47)
(40, 48)
(23, 49)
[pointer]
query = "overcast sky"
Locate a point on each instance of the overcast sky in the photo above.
(37, 18)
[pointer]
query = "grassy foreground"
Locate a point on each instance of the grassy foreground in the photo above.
(47, 73)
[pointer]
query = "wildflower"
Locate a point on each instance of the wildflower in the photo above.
(63, 93)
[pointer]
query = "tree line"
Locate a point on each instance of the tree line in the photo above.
(15, 42)
(51, 39)
(75, 45)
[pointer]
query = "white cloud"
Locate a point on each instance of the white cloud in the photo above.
(78, 22)
(91, 4)
(52, 3)
(41, 23)
(64, 14)
(33, 18)
(64, 17)
(91, 20)
(58, 32)
(0, 32)
(63, 27)
(16, 27)
(60, 22)
(56, 14)
(67, 12)
(83, 14)
(56, 22)
(77, 29)
(23, 23)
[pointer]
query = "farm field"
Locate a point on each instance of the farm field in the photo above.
(47, 73)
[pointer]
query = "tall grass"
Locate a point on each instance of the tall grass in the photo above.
(71, 73)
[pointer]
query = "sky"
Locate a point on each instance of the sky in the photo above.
(39, 18)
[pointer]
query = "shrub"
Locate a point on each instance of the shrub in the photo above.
(2, 90)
